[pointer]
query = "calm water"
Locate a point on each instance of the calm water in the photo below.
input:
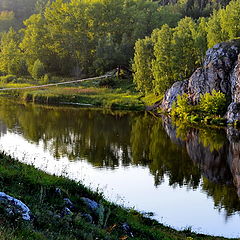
(186, 177)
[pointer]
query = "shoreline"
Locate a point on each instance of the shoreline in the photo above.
(42, 186)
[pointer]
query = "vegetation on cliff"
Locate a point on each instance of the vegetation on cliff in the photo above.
(210, 109)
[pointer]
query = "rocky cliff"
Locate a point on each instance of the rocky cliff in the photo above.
(220, 71)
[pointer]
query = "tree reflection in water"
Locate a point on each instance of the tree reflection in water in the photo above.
(206, 158)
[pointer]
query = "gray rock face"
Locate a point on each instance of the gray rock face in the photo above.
(233, 112)
(178, 88)
(220, 71)
(235, 82)
(215, 73)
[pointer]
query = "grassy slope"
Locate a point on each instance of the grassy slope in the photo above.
(119, 94)
(37, 190)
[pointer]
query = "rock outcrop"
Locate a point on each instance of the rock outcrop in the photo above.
(178, 88)
(220, 71)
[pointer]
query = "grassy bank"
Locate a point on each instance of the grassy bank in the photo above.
(109, 93)
(44, 195)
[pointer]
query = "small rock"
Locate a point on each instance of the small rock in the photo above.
(68, 203)
(66, 212)
(127, 229)
(58, 191)
(92, 205)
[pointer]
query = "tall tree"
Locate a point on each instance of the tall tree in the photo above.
(163, 65)
(11, 58)
(142, 65)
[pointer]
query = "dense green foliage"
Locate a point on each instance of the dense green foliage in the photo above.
(13, 12)
(211, 105)
(178, 51)
(90, 37)
(37, 70)
(85, 37)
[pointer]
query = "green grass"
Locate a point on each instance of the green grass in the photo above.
(120, 95)
(151, 99)
(37, 190)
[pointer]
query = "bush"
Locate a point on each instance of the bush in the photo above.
(214, 103)
(8, 78)
(37, 70)
(210, 105)
(182, 108)
(17, 67)
(45, 79)
(107, 82)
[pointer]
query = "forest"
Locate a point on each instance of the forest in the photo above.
(161, 41)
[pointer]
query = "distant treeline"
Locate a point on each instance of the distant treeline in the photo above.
(89, 37)
(13, 12)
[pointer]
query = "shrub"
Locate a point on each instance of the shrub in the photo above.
(182, 108)
(45, 79)
(107, 82)
(8, 78)
(37, 70)
(214, 103)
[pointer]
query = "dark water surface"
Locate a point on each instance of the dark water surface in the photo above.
(186, 177)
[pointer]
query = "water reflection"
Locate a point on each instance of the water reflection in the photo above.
(176, 156)
(211, 150)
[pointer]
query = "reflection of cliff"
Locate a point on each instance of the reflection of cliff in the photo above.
(234, 155)
(217, 156)
(151, 146)
(213, 164)
(206, 148)
(3, 128)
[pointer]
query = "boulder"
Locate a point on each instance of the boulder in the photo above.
(14, 206)
(90, 204)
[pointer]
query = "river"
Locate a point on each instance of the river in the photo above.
(188, 178)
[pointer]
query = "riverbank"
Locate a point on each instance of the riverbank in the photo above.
(110, 93)
(63, 209)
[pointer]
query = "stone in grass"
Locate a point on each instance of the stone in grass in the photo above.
(92, 205)
(15, 206)
(66, 212)
(127, 229)
(97, 209)
(68, 203)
